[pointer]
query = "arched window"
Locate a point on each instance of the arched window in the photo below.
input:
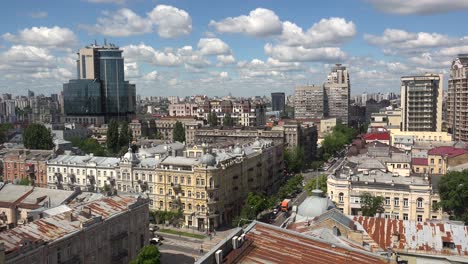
(419, 202)
(203, 208)
(211, 182)
(341, 198)
(189, 194)
(161, 204)
(190, 206)
(198, 208)
(198, 195)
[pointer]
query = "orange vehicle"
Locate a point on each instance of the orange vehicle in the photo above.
(285, 205)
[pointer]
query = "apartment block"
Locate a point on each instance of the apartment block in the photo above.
(457, 101)
(338, 93)
(421, 102)
(309, 102)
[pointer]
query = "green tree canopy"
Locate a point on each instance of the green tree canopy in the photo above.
(371, 205)
(453, 191)
(292, 186)
(212, 119)
(4, 131)
(322, 184)
(254, 204)
(113, 136)
(125, 137)
(89, 145)
(335, 141)
(148, 255)
(37, 136)
(228, 121)
(178, 133)
(294, 159)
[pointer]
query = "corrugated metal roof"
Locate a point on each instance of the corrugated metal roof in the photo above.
(419, 237)
(271, 244)
(54, 227)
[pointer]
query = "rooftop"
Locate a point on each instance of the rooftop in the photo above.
(447, 151)
(271, 244)
(417, 237)
(57, 226)
(419, 161)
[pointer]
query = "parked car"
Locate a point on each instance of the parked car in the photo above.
(155, 241)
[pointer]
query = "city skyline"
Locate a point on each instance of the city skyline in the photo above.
(179, 48)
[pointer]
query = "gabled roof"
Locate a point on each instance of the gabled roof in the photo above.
(419, 161)
(271, 244)
(447, 151)
(377, 136)
(418, 237)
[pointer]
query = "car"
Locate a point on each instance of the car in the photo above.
(155, 241)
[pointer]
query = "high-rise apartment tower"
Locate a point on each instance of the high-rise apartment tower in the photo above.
(457, 101)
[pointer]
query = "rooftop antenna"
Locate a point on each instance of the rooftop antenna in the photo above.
(105, 42)
(95, 43)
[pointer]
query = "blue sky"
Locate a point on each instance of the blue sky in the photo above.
(219, 47)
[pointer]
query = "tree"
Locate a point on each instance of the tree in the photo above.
(453, 191)
(125, 137)
(4, 131)
(158, 135)
(254, 204)
(37, 136)
(212, 119)
(322, 184)
(228, 121)
(292, 186)
(113, 137)
(148, 255)
(178, 133)
(24, 181)
(294, 159)
(371, 205)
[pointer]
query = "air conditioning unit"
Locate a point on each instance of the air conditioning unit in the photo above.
(243, 237)
(234, 242)
(219, 256)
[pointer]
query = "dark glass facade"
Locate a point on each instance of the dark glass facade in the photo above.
(82, 97)
(105, 92)
(278, 101)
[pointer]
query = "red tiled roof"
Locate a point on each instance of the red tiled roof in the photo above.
(419, 161)
(419, 237)
(271, 244)
(447, 151)
(377, 136)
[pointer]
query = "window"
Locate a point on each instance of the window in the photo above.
(419, 218)
(419, 203)
(203, 195)
(105, 173)
(432, 161)
(203, 182)
(434, 204)
(197, 181)
(119, 187)
(160, 178)
(170, 191)
(405, 216)
(440, 161)
(203, 208)
(387, 200)
(189, 194)
(341, 198)
(434, 217)
(405, 202)
(355, 199)
(136, 176)
(151, 189)
(112, 174)
(150, 178)
(396, 202)
(190, 206)
(161, 191)
(169, 179)
(398, 166)
(181, 180)
(440, 170)
(59, 255)
(189, 180)
(417, 170)
(161, 204)
(198, 195)
(198, 207)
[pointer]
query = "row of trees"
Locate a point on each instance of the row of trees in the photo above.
(322, 184)
(213, 120)
(173, 217)
(294, 159)
(89, 145)
(335, 141)
(119, 136)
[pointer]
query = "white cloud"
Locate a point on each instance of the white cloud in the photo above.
(300, 53)
(144, 53)
(272, 67)
(453, 51)
(260, 22)
(331, 31)
(171, 22)
(401, 39)
(422, 7)
(173, 82)
(225, 59)
(131, 70)
(151, 76)
(213, 46)
(43, 37)
(38, 14)
(124, 22)
(28, 57)
(223, 74)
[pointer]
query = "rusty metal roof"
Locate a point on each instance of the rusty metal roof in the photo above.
(51, 228)
(271, 244)
(417, 237)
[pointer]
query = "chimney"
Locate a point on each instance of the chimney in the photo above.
(86, 212)
(68, 216)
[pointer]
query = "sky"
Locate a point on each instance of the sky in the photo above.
(244, 48)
